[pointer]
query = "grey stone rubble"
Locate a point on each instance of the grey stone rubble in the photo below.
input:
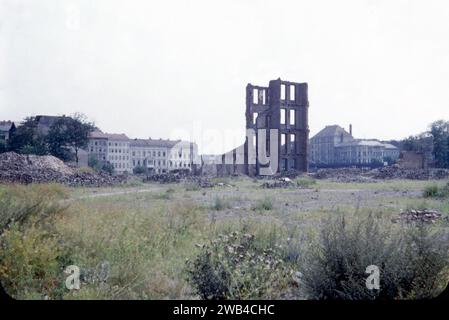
(25, 169)
(425, 215)
(384, 173)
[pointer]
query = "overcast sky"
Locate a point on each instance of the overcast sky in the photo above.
(172, 69)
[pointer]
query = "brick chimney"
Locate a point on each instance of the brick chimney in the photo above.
(350, 129)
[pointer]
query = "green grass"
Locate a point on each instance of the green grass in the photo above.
(147, 232)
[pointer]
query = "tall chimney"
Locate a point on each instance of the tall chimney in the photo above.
(350, 129)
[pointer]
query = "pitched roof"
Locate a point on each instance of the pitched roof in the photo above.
(97, 134)
(368, 143)
(6, 125)
(154, 143)
(331, 131)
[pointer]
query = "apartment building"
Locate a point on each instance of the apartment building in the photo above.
(156, 155)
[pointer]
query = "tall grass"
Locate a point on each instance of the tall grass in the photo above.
(413, 260)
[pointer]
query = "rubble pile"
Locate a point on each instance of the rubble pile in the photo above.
(17, 168)
(394, 172)
(284, 182)
(426, 215)
(384, 173)
(344, 175)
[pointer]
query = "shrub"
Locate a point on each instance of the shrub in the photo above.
(31, 263)
(233, 267)
(193, 186)
(18, 203)
(167, 195)
(305, 182)
(108, 167)
(220, 204)
(31, 255)
(140, 170)
(412, 261)
(264, 204)
(434, 191)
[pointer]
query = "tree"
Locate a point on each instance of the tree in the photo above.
(26, 139)
(439, 131)
(68, 135)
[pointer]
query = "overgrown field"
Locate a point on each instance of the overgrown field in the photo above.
(238, 240)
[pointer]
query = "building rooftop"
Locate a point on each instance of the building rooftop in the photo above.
(6, 125)
(97, 134)
(331, 131)
(154, 143)
(368, 143)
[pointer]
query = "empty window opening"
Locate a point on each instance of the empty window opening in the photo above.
(263, 96)
(293, 142)
(283, 140)
(282, 91)
(292, 164)
(255, 96)
(284, 164)
(292, 117)
(267, 146)
(282, 116)
(255, 114)
(292, 92)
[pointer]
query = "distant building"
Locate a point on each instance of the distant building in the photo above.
(335, 147)
(158, 156)
(44, 123)
(412, 160)
(7, 128)
(151, 154)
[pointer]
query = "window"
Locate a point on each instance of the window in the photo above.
(282, 139)
(292, 92)
(292, 142)
(282, 91)
(255, 96)
(282, 116)
(264, 98)
(255, 114)
(292, 117)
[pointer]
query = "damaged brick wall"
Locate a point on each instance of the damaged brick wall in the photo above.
(283, 108)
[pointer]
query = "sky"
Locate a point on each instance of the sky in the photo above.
(178, 69)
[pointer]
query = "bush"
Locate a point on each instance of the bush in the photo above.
(233, 267)
(264, 204)
(31, 263)
(220, 204)
(108, 167)
(167, 195)
(413, 262)
(434, 191)
(305, 182)
(193, 186)
(18, 202)
(140, 170)
(31, 255)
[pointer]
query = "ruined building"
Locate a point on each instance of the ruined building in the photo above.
(277, 131)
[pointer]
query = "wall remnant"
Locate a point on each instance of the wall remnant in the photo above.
(277, 131)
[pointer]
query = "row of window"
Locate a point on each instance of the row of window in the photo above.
(260, 95)
(118, 158)
(145, 153)
(291, 117)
